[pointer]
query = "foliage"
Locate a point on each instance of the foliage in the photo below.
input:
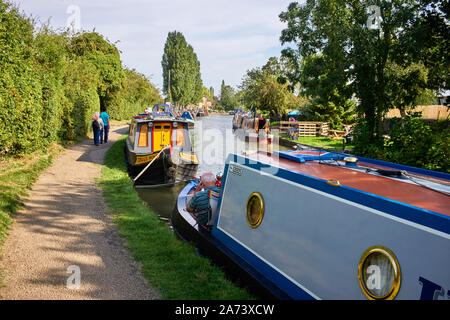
(182, 81)
(20, 90)
(137, 93)
(228, 98)
(425, 39)
(411, 142)
(262, 88)
(330, 96)
(382, 66)
(52, 82)
(106, 58)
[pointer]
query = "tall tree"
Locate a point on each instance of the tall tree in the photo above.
(182, 81)
(228, 97)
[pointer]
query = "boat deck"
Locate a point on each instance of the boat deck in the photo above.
(394, 189)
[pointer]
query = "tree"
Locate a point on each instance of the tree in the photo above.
(227, 97)
(330, 98)
(106, 57)
(265, 89)
(377, 64)
(182, 81)
(425, 39)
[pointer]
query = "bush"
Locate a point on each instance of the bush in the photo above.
(51, 83)
(411, 142)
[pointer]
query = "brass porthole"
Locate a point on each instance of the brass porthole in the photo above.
(379, 274)
(254, 212)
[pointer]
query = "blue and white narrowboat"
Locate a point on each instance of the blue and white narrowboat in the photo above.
(310, 224)
(158, 148)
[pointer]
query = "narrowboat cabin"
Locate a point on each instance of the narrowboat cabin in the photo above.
(159, 149)
(309, 224)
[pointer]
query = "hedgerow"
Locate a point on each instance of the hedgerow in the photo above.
(52, 82)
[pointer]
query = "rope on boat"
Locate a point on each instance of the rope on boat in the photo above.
(406, 175)
(402, 173)
(147, 166)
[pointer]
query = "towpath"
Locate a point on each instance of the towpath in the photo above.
(64, 231)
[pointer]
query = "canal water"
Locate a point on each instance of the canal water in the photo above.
(213, 140)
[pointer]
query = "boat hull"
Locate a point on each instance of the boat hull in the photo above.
(166, 169)
(187, 228)
(313, 233)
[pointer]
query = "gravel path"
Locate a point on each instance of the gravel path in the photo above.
(65, 226)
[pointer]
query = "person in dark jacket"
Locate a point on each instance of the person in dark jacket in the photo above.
(96, 127)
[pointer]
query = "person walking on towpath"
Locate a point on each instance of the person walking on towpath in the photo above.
(97, 127)
(105, 119)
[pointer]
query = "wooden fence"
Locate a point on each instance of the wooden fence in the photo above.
(428, 112)
(302, 128)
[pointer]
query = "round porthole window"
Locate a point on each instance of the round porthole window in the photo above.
(379, 274)
(254, 210)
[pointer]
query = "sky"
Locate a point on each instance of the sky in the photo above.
(229, 37)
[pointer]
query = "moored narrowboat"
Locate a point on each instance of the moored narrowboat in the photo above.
(310, 224)
(251, 128)
(159, 149)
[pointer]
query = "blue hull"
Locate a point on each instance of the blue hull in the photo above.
(313, 235)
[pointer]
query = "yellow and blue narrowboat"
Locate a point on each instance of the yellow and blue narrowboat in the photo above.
(159, 149)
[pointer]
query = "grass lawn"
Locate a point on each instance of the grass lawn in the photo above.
(322, 142)
(169, 264)
(16, 178)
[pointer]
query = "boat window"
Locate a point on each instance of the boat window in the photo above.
(132, 132)
(180, 135)
(190, 138)
(143, 135)
(254, 210)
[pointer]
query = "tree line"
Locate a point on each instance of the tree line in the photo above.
(385, 55)
(52, 82)
(388, 54)
(353, 61)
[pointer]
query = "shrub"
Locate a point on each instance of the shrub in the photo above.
(52, 82)
(411, 142)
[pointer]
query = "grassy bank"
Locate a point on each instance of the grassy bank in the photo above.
(321, 142)
(17, 176)
(170, 265)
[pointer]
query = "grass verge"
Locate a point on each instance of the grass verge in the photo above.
(16, 178)
(321, 142)
(169, 264)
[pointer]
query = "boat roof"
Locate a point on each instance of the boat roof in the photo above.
(145, 118)
(362, 178)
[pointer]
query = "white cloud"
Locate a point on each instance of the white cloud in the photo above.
(229, 37)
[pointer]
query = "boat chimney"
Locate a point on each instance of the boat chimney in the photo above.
(351, 161)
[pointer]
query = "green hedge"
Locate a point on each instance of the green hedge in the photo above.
(411, 142)
(52, 82)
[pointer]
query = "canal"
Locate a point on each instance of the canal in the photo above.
(213, 140)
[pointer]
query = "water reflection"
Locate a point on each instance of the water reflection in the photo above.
(213, 140)
(161, 200)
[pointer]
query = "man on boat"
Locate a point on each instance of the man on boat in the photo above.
(200, 200)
